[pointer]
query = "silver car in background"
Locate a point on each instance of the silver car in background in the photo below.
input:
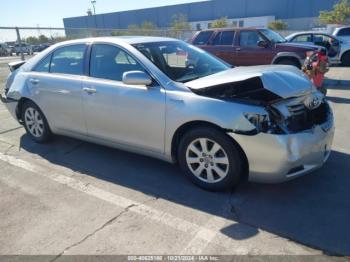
(167, 99)
(342, 33)
(338, 50)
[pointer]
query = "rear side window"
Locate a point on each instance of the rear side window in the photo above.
(68, 60)
(302, 38)
(44, 65)
(344, 32)
(224, 38)
(202, 38)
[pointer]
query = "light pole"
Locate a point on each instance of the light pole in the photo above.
(93, 2)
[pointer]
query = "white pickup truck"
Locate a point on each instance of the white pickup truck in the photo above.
(26, 49)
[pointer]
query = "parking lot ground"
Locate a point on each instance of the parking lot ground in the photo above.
(73, 197)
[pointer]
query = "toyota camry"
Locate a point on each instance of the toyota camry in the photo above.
(167, 99)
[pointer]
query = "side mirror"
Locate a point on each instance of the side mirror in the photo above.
(137, 78)
(263, 44)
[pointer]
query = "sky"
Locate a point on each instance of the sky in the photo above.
(49, 13)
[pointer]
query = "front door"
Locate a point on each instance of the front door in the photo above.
(250, 53)
(120, 113)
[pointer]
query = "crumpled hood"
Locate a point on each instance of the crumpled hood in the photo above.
(284, 81)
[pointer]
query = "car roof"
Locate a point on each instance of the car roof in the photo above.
(309, 32)
(232, 29)
(342, 27)
(131, 40)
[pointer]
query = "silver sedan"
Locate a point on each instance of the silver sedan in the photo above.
(164, 98)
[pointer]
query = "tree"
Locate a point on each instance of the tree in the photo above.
(220, 23)
(278, 25)
(57, 39)
(43, 39)
(180, 22)
(339, 14)
(32, 40)
(133, 27)
(147, 25)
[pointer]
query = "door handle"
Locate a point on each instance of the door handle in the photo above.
(176, 101)
(89, 90)
(238, 49)
(34, 81)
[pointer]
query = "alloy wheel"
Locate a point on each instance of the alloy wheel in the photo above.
(34, 122)
(207, 160)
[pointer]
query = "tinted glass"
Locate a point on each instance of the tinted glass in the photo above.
(250, 38)
(273, 36)
(43, 65)
(217, 39)
(227, 37)
(111, 62)
(224, 38)
(68, 60)
(302, 38)
(202, 38)
(323, 40)
(344, 32)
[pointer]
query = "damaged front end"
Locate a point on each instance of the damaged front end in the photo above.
(285, 113)
(291, 136)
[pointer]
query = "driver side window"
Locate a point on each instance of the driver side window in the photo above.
(110, 62)
(249, 38)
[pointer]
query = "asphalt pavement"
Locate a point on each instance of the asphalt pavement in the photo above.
(73, 197)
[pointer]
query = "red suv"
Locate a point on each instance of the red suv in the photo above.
(251, 46)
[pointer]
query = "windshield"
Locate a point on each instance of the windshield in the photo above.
(180, 61)
(273, 36)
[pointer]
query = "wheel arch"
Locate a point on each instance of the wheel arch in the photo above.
(181, 131)
(291, 56)
(20, 104)
(344, 54)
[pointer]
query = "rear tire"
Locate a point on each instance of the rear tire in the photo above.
(210, 159)
(345, 59)
(35, 123)
(288, 61)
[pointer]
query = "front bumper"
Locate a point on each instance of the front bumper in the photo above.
(11, 105)
(279, 158)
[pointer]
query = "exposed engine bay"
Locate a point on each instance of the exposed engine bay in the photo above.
(284, 115)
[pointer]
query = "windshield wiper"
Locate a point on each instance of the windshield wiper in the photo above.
(191, 79)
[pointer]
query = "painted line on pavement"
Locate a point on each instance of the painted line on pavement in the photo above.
(142, 209)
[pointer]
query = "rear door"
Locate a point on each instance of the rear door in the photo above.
(56, 86)
(249, 53)
(223, 46)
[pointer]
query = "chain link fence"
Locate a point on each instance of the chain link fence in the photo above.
(29, 40)
(22, 41)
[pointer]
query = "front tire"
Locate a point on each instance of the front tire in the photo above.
(35, 123)
(210, 159)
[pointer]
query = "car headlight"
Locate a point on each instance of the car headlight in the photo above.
(261, 122)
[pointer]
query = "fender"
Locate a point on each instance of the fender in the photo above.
(287, 54)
